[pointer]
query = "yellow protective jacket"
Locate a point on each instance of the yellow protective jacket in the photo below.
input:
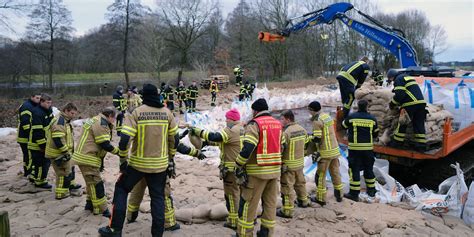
(295, 139)
(134, 101)
(96, 130)
(61, 129)
(153, 131)
(213, 87)
(324, 134)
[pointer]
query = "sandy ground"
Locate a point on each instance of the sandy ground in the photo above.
(34, 213)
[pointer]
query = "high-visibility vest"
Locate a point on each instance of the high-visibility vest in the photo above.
(269, 144)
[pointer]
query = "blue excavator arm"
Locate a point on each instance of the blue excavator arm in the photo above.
(390, 38)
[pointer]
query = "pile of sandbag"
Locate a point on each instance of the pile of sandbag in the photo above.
(379, 99)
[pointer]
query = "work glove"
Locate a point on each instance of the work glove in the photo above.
(315, 157)
(171, 171)
(392, 105)
(241, 174)
(201, 156)
(183, 134)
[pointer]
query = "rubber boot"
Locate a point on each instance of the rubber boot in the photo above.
(109, 232)
(302, 204)
(227, 225)
(263, 232)
(314, 199)
(106, 213)
(337, 194)
(371, 192)
(281, 214)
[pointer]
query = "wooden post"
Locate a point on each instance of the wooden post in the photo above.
(4, 224)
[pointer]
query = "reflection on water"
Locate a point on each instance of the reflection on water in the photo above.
(69, 88)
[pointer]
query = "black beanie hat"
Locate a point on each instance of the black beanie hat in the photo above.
(149, 90)
(260, 105)
(314, 106)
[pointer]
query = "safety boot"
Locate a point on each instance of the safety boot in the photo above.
(106, 213)
(132, 216)
(280, 213)
(227, 225)
(352, 197)
(109, 232)
(75, 186)
(314, 199)
(371, 192)
(173, 228)
(302, 204)
(337, 194)
(89, 206)
(44, 186)
(263, 232)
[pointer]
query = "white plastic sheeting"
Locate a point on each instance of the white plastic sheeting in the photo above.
(7, 131)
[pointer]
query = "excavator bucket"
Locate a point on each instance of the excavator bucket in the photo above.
(269, 37)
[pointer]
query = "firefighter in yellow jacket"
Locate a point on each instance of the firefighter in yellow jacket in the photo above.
(137, 193)
(89, 155)
(229, 142)
(154, 135)
(258, 168)
(59, 149)
(328, 150)
(213, 88)
(292, 176)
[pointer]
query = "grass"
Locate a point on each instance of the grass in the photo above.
(168, 75)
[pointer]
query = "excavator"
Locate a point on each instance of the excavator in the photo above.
(427, 169)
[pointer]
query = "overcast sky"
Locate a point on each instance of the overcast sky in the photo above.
(456, 16)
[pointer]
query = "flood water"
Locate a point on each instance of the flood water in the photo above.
(99, 88)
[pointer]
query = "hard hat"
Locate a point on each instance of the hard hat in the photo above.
(392, 73)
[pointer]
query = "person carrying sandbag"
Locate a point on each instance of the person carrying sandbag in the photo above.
(408, 96)
(350, 78)
(362, 129)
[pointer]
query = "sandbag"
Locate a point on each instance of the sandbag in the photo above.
(201, 211)
(184, 214)
(196, 141)
(218, 212)
(468, 212)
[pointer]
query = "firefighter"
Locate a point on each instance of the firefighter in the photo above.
(258, 168)
(239, 73)
(327, 156)
(181, 94)
(168, 94)
(409, 97)
(292, 176)
(24, 126)
(154, 135)
(214, 88)
(242, 92)
(138, 191)
(120, 103)
(41, 118)
(89, 156)
(59, 149)
(362, 129)
(250, 90)
(192, 93)
(229, 142)
(350, 78)
(134, 99)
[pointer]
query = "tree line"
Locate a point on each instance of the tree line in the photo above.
(186, 35)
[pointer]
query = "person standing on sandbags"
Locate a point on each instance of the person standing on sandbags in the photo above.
(154, 133)
(362, 129)
(409, 97)
(89, 156)
(258, 168)
(324, 137)
(292, 176)
(24, 127)
(350, 78)
(228, 140)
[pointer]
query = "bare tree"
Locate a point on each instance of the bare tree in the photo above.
(9, 8)
(126, 14)
(186, 21)
(50, 20)
(438, 40)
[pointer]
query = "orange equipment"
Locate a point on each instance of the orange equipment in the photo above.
(269, 37)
